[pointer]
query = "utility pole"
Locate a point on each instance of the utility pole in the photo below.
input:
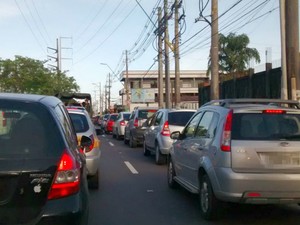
(214, 87)
(160, 62)
(176, 55)
(127, 84)
(109, 86)
(292, 47)
(284, 89)
(167, 63)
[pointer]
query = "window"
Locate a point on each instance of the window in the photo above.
(191, 127)
(202, 130)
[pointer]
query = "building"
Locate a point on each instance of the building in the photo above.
(143, 88)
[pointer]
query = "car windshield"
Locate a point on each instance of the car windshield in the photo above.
(179, 118)
(80, 122)
(265, 126)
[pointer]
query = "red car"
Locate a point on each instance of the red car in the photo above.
(110, 122)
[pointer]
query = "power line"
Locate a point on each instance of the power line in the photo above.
(31, 30)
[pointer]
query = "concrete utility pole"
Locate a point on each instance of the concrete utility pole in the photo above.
(109, 86)
(176, 55)
(167, 63)
(214, 87)
(160, 62)
(284, 89)
(292, 47)
(127, 84)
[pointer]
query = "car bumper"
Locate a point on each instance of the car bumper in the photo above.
(165, 144)
(69, 210)
(92, 163)
(257, 188)
(138, 135)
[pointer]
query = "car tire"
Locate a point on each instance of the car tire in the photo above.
(146, 151)
(113, 135)
(210, 206)
(93, 181)
(159, 158)
(171, 174)
(125, 140)
(132, 143)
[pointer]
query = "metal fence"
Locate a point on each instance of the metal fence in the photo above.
(265, 84)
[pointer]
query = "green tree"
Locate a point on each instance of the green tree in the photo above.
(234, 53)
(26, 75)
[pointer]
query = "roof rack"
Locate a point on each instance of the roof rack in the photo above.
(261, 101)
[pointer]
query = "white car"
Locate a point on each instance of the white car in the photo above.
(119, 125)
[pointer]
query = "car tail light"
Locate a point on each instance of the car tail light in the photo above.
(122, 123)
(136, 123)
(165, 130)
(226, 136)
(274, 111)
(67, 178)
(90, 148)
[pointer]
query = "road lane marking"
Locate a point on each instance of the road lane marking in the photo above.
(130, 167)
(111, 144)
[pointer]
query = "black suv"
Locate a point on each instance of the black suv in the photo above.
(42, 170)
(134, 130)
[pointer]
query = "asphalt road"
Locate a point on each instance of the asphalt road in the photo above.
(134, 191)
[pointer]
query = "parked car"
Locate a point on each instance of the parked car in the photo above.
(84, 126)
(110, 122)
(43, 173)
(157, 135)
(240, 151)
(134, 131)
(119, 125)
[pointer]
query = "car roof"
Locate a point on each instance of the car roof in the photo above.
(246, 102)
(43, 99)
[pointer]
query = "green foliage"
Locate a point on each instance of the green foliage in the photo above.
(234, 55)
(26, 75)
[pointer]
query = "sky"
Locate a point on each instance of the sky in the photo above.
(94, 34)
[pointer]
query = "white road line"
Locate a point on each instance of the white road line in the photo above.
(111, 144)
(130, 167)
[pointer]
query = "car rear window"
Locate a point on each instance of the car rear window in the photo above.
(126, 116)
(28, 131)
(179, 118)
(262, 126)
(144, 114)
(80, 122)
(113, 117)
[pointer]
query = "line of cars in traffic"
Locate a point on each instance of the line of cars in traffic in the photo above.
(228, 151)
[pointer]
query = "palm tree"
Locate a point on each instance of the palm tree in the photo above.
(234, 55)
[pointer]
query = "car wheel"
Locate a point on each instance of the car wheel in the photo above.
(94, 181)
(125, 140)
(132, 143)
(159, 158)
(171, 174)
(146, 151)
(209, 204)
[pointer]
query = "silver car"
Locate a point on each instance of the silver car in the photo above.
(84, 126)
(241, 151)
(119, 125)
(157, 135)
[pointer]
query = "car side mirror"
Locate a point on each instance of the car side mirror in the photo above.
(175, 135)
